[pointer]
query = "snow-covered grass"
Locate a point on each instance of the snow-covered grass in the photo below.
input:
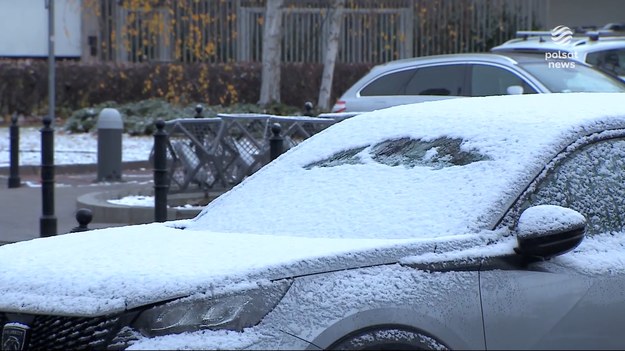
(70, 148)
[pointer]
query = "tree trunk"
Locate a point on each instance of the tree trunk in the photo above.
(272, 31)
(332, 50)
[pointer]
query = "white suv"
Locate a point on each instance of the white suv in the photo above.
(603, 48)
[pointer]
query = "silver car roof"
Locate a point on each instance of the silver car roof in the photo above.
(578, 44)
(450, 58)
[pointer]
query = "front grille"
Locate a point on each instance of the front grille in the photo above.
(76, 333)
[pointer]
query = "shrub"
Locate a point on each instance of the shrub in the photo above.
(139, 117)
(23, 84)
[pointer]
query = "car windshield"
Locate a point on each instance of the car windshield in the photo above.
(562, 77)
(390, 175)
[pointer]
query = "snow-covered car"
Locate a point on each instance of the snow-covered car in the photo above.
(485, 223)
(442, 77)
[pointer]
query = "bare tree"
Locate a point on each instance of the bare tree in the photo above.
(332, 49)
(272, 50)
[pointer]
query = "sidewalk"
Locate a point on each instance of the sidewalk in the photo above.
(21, 208)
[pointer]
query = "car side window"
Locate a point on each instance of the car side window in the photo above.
(489, 80)
(393, 83)
(591, 181)
(438, 80)
(612, 61)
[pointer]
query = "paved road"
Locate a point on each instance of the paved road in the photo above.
(21, 208)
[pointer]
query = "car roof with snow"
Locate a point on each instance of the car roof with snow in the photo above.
(412, 171)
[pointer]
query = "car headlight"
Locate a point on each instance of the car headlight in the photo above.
(233, 311)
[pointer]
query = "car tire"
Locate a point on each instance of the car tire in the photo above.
(388, 338)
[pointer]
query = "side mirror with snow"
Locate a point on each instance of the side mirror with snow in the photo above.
(514, 90)
(547, 231)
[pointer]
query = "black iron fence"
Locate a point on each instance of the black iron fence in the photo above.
(217, 153)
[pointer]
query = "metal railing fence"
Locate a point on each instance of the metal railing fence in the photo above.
(218, 153)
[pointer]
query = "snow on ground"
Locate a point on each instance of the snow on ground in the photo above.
(70, 148)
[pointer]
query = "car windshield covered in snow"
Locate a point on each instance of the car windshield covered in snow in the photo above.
(393, 174)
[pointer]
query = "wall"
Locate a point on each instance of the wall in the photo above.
(24, 28)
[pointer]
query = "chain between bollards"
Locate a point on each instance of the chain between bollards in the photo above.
(276, 142)
(47, 222)
(14, 139)
(161, 181)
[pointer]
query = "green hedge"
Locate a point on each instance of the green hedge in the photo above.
(140, 117)
(23, 84)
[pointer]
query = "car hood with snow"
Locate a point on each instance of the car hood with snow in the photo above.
(110, 270)
(436, 173)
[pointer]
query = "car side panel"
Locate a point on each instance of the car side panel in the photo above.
(326, 307)
(552, 309)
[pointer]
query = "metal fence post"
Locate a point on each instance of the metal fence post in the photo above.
(83, 217)
(14, 139)
(161, 183)
(198, 111)
(276, 147)
(47, 222)
(308, 109)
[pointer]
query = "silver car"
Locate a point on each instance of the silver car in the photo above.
(485, 223)
(602, 49)
(449, 76)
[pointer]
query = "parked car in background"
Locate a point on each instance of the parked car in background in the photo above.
(485, 223)
(604, 49)
(461, 75)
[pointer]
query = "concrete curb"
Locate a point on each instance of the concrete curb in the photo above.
(105, 212)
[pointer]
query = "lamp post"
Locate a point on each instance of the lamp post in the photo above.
(48, 222)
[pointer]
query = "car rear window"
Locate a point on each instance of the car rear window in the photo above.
(393, 83)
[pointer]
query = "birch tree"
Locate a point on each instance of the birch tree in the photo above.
(332, 49)
(272, 52)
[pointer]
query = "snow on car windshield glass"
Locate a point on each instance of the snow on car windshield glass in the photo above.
(439, 153)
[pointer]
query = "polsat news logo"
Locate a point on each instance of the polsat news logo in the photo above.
(562, 36)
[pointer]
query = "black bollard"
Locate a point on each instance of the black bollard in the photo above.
(14, 139)
(161, 182)
(83, 217)
(308, 107)
(198, 111)
(276, 147)
(47, 222)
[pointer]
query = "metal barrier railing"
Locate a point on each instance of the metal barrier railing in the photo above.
(218, 153)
